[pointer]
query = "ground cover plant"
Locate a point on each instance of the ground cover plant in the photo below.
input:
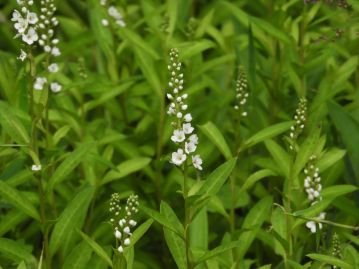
(179, 134)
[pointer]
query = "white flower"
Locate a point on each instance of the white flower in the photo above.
(55, 51)
(118, 234)
(53, 68)
(16, 16)
(103, 2)
(178, 157)
(32, 18)
(127, 242)
(194, 139)
(39, 83)
(187, 128)
(121, 222)
(21, 25)
(22, 55)
(120, 249)
(126, 230)
(121, 23)
(197, 162)
(188, 117)
(36, 167)
(190, 147)
(312, 225)
(47, 48)
(104, 22)
(132, 223)
(30, 37)
(171, 111)
(113, 12)
(55, 87)
(178, 136)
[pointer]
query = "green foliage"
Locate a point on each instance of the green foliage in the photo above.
(107, 131)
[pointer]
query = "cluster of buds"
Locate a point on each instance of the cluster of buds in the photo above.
(34, 28)
(183, 134)
(313, 188)
(123, 223)
(241, 92)
(300, 118)
(335, 248)
(113, 13)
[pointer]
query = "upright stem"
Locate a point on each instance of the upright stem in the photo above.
(232, 179)
(232, 215)
(187, 220)
(287, 206)
(34, 147)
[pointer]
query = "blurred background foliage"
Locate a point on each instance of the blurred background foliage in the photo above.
(109, 131)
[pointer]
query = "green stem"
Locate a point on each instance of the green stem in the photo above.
(336, 224)
(187, 220)
(34, 147)
(287, 205)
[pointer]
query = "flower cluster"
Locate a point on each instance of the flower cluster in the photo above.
(122, 225)
(113, 14)
(241, 92)
(183, 135)
(300, 118)
(36, 28)
(313, 188)
(335, 248)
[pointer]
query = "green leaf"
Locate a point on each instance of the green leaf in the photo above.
(190, 49)
(198, 230)
(306, 150)
(255, 177)
(21, 265)
(96, 248)
(69, 164)
(280, 156)
(330, 158)
(70, 219)
(337, 190)
(79, 257)
(172, 223)
(218, 250)
(172, 9)
(348, 129)
(174, 242)
(137, 41)
(126, 168)
(253, 221)
(11, 220)
(216, 137)
(270, 29)
(295, 265)
(148, 69)
(267, 133)
(16, 251)
(326, 259)
(217, 178)
(18, 200)
(140, 231)
(268, 266)
(12, 125)
(60, 133)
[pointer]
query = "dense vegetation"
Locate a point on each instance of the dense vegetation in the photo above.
(185, 134)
